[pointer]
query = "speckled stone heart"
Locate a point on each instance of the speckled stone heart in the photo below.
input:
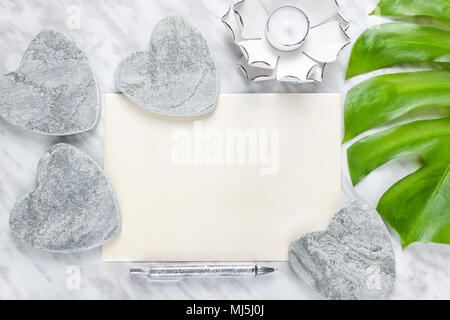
(352, 259)
(73, 207)
(53, 92)
(176, 77)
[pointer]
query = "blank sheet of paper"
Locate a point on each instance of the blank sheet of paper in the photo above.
(238, 185)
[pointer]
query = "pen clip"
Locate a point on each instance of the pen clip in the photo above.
(143, 273)
(162, 279)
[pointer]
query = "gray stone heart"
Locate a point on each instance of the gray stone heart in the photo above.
(176, 77)
(73, 207)
(53, 92)
(352, 259)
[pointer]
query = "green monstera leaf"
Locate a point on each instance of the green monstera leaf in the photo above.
(428, 8)
(388, 97)
(418, 206)
(398, 43)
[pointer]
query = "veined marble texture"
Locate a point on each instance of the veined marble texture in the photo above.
(107, 31)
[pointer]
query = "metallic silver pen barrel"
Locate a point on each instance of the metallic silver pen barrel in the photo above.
(180, 272)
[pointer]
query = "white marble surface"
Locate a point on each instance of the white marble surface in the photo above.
(110, 30)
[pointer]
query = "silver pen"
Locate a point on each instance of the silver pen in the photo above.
(176, 272)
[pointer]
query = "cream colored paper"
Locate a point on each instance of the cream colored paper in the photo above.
(181, 205)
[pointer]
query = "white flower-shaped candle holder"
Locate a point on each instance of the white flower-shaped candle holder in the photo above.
(287, 40)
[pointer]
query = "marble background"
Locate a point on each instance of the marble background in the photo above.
(107, 31)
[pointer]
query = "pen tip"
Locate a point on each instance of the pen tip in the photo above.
(265, 270)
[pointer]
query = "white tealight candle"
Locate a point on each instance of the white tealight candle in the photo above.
(287, 28)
